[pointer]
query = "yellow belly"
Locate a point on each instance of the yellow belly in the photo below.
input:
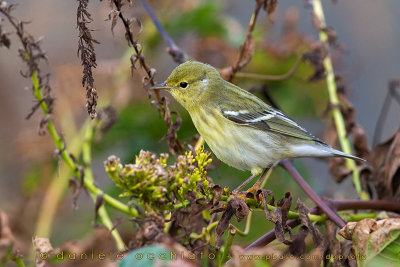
(239, 146)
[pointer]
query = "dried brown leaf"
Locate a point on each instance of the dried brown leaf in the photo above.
(248, 49)
(337, 168)
(75, 188)
(386, 161)
(218, 191)
(316, 57)
(6, 237)
(298, 245)
(360, 142)
(135, 26)
(333, 242)
(305, 220)
(43, 247)
(279, 215)
(151, 231)
(4, 40)
(113, 16)
(98, 204)
(108, 117)
(236, 206)
(269, 6)
(369, 232)
(284, 204)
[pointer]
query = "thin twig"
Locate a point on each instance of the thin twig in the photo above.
(178, 55)
(385, 110)
(271, 77)
(288, 166)
(353, 204)
(241, 61)
(149, 71)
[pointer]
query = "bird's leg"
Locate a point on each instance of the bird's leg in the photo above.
(254, 187)
(240, 187)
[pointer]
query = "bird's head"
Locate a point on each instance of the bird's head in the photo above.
(191, 82)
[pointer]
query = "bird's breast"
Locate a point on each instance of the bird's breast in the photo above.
(239, 146)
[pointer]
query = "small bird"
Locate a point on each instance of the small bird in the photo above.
(241, 130)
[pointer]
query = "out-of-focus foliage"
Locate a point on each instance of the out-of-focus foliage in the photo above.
(203, 20)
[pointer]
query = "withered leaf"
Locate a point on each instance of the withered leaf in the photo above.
(218, 191)
(113, 16)
(305, 220)
(285, 203)
(265, 194)
(135, 26)
(337, 168)
(6, 236)
(376, 240)
(360, 142)
(4, 40)
(75, 186)
(236, 206)
(43, 246)
(270, 5)
(149, 79)
(333, 242)
(98, 204)
(279, 215)
(247, 52)
(316, 57)
(298, 245)
(386, 161)
(108, 117)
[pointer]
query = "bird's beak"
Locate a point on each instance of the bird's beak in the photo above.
(160, 86)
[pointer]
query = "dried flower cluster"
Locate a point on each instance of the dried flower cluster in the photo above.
(87, 54)
(152, 182)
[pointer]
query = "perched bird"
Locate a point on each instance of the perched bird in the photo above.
(241, 130)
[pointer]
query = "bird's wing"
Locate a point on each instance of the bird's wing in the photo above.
(265, 118)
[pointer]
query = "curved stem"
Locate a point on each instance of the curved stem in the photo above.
(287, 164)
(229, 241)
(334, 100)
(88, 175)
(339, 205)
(271, 77)
(247, 227)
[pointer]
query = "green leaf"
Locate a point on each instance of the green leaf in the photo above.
(377, 243)
(383, 248)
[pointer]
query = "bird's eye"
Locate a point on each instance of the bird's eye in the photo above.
(183, 84)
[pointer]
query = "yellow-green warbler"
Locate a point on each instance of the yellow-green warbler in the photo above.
(241, 130)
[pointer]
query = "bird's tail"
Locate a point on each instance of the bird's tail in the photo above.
(344, 155)
(320, 150)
